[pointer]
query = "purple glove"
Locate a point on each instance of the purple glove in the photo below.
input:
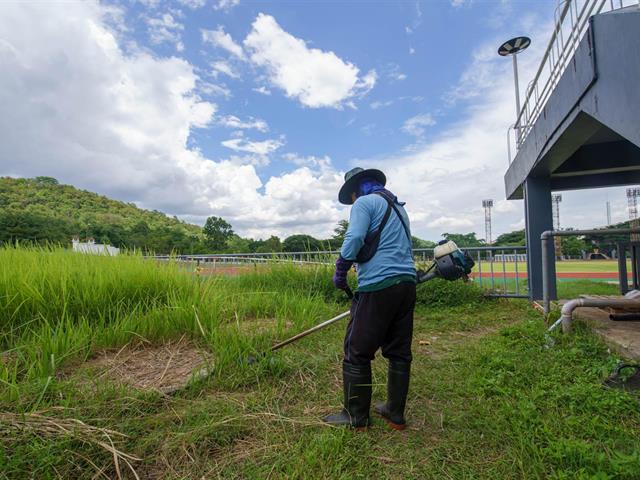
(342, 269)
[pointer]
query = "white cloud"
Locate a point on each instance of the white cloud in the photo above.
(226, 4)
(380, 104)
(412, 50)
(119, 123)
(519, 225)
(416, 125)
(416, 20)
(368, 129)
(232, 121)
(262, 89)
(394, 73)
(263, 148)
(150, 3)
(506, 206)
(165, 29)
(314, 77)
(456, 224)
(309, 161)
(193, 4)
(208, 88)
(222, 39)
(220, 66)
(255, 160)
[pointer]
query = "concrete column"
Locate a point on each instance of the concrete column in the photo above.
(538, 218)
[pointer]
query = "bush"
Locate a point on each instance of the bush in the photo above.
(443, 293)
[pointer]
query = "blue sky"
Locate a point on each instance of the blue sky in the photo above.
(417, 49)
(254, 110)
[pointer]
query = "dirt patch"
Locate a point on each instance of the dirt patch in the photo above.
(167, 367)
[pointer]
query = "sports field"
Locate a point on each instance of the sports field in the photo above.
(562, 266)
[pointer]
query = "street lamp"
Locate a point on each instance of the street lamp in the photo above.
(513, 47)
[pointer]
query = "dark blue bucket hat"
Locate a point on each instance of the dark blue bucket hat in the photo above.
(352, 181)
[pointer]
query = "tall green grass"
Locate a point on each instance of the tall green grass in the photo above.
(57, 305)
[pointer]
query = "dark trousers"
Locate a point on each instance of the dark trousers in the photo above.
(381, 319)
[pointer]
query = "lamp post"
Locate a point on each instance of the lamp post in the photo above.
(513, 47)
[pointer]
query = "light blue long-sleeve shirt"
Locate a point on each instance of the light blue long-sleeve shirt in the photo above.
(393, 257)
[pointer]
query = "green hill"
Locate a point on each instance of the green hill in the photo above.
(40, 210)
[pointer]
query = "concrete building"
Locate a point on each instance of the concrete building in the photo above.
(579, 126)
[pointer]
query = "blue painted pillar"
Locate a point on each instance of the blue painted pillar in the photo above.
(538, 218)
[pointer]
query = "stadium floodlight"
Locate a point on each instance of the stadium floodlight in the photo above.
(556, 198)
(632, 202)
(487, 205)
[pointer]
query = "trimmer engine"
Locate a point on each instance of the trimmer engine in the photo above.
(450, 263)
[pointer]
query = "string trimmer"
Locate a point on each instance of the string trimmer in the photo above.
(450, 263)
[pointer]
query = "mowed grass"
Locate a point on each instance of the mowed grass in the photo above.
(487, 399)
(566, 288)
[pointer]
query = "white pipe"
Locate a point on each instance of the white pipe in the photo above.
(570, 306)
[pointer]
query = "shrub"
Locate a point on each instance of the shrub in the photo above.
(443, 293)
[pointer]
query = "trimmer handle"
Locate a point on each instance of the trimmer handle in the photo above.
(349, 292)
(426, 276)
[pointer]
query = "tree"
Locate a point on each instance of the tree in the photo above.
(573, 246)
(272, 244)
(301, 243)
(33, 227)
(464, 239)
(340, 230)
(419, 243)
(46, 181)
(217, 231)
(515, 238)
(237, 244)
(606, 242)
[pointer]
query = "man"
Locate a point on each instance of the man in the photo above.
(382, 309)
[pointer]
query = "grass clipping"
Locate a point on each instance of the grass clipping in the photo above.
(165, 368)
(42, 425)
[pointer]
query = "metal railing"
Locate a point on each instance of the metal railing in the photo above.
(500, 270)
(491, 272)
(545, 239)
(571, 21)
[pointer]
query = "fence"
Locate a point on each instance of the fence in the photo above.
(548, 261)
(500, 270)
(571, 22)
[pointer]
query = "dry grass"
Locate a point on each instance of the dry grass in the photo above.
(166, 368)
(47, 426)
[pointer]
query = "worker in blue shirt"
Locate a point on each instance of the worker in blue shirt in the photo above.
(378, 241)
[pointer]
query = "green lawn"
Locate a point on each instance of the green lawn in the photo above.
(567, 288)
(573, 266)
(487, 400)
